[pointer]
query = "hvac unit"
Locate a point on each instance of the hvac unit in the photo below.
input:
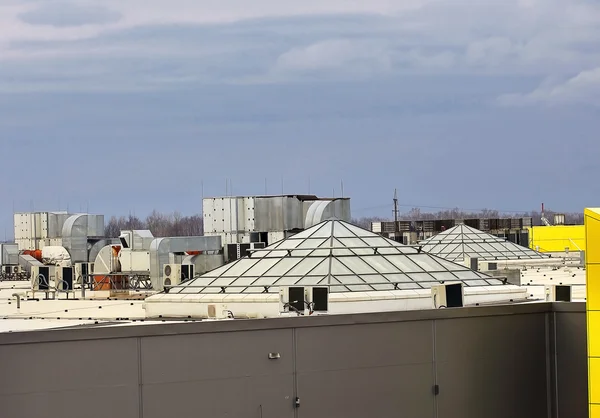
(291, 299)
(9, 270)
(317, 298)
(187, 272)
(488, 266)
(558, 293)
(237, 251)
(450, 295)
(83, 270)
(40, 278)
(64, 278)
(472, 263)
(172, 274)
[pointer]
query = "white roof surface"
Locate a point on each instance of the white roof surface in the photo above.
(59, 313)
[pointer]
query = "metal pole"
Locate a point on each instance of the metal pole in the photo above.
(396, 226)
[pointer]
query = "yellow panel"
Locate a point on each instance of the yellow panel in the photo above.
(557, 238)
(594, 380)
(594, 411)
(592, 231)
(593, 287)
(593, 326)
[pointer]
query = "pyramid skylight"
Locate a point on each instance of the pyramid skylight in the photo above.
(338, 254)
(462, 240)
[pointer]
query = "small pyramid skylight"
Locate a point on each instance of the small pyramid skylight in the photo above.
(462, 240)
(338, 254)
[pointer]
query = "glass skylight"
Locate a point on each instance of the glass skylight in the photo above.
(338, 254)
(462, 240)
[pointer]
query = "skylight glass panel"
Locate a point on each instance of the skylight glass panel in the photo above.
(310, 280)
(340, 231)
(337, 268)
(377, 242)
(283, 266)
(404, 263)
(357, 265)
(261, 267)
(352, 243)
(304, 266)
(323, 232)
(286, 281)
(426, 262)
(238, 267)
(321, 269)
(421, 277)
(379, 263)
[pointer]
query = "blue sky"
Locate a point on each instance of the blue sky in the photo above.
(131, 105)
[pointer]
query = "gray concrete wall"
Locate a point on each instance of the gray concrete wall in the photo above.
(514, 361)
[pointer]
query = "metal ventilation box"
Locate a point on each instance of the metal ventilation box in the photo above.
(450, 295)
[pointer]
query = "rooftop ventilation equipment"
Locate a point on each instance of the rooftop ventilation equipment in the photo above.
(173, 274)
(317, 299)
(291, 299)
(40, 278)
(304, 300)
(558, 293)
(449, 295)
(64, 279)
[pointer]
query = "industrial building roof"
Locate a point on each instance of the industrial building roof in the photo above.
(462, 240)
(338, 254)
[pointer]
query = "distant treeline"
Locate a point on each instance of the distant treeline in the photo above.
(176, 225)
(161, 225)
(573, 218)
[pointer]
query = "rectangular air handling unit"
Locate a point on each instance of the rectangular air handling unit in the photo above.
(448, 295)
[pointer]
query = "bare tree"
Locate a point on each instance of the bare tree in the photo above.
(161, 225)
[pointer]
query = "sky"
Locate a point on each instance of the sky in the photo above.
(125, 106)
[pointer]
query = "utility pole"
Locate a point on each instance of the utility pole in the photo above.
(396, 226)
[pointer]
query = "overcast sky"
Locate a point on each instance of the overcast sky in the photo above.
(131, 105)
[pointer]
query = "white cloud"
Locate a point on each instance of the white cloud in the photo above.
(584, 88)
(337, 55)
(64, 14)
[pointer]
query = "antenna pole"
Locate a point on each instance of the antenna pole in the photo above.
(396, 226)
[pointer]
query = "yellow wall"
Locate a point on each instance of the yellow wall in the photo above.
(557, 238)
(592, 255)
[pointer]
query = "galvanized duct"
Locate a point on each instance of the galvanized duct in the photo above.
(98, 245)
(9, 254)
(321, 210)
(162, 248)
(74, 237)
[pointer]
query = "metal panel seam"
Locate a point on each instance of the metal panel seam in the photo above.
(140, 379)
